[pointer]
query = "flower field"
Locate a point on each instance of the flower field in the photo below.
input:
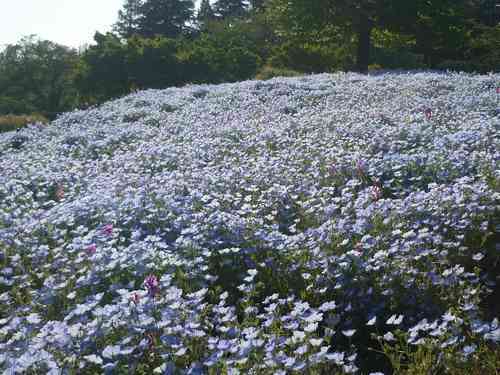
(325, 224)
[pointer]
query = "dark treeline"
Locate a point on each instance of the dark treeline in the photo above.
(160, 43)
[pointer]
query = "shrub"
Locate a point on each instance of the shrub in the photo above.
(13, 122)
(391, 50)
(152, 63)
(15, 106)
(485, 49)
(311, 57)
(210, 60)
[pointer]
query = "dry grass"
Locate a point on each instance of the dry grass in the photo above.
(14, 122)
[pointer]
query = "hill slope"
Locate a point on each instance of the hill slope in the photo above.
(260, 226)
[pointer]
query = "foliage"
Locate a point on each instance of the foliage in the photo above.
(130, 19)
(37, 75)
(103, 71)
(152, 18)
(485, 49)
(311, 57)
(152, 63)
(300, 16)
(257, 5)
(392, 50)
(441, 30)
(224, 54)
(205, 15)
(166, 18)
(440, 27)
(230, 9)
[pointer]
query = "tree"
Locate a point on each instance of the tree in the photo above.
(37, 75)
(205, 14)
(257, 5)
(167, 18)
(225, 9)
(226, 54)
(130, 19)
(432, 21)
(103, 69)
(152, 62)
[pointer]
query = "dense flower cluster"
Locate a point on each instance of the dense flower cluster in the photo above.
(261, 227)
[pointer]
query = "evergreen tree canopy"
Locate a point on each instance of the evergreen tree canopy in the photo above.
(257, 5)
(205, 14)
(166, 17)
(362, 16)
(225, 9)
(150, 18)
(130, 18)
(38, 74)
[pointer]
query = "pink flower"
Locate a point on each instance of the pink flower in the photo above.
(59, 192)
(91, 249)
(360, 167)
(151, 341)
(152, 285)
(376, 193)
(428, 113)
(498, 90)
(108, 229)
(135, 298)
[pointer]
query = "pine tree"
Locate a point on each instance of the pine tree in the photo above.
(129, 19)
(257, 5)
(205, 14)
(166, 17)
(225, 9)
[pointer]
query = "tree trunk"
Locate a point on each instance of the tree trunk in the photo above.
(364, 43)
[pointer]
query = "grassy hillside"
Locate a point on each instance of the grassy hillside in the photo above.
(320, 225)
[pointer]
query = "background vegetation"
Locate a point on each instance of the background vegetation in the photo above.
(160, 43)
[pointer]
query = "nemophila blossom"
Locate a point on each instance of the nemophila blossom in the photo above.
(389, 337)
(360, 167)
(469, 349)
(395, 320)
(265, 220)
(349, 332)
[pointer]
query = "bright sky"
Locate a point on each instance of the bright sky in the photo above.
(68, 22)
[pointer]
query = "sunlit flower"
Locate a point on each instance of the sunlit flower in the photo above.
(135, 297)
(376, 193)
